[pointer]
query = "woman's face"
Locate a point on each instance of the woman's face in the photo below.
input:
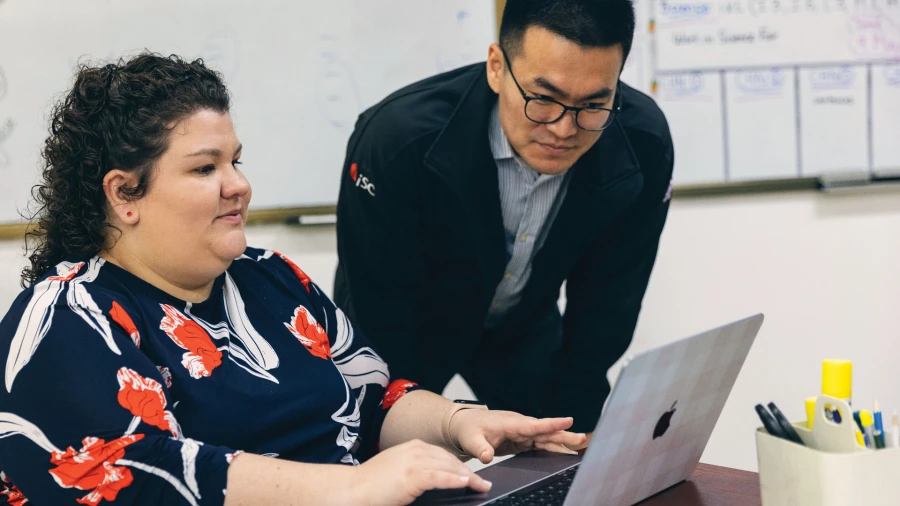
(190, 221)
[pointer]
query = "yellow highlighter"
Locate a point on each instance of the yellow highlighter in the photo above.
(810, 411)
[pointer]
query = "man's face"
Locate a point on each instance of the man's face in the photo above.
(551, 66)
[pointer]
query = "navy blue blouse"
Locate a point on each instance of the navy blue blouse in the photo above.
(116, 391)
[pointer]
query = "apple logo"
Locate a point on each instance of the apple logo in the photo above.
(663, 424)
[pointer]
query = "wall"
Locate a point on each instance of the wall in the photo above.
(822, 269)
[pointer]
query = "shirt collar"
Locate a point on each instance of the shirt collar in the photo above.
(500, 146)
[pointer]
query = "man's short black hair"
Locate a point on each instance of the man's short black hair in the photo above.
(589, 23)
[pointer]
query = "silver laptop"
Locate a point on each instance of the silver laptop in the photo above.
(658, 419)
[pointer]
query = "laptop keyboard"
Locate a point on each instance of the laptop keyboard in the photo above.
(549, 492)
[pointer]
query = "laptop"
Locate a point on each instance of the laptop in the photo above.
(657, 421)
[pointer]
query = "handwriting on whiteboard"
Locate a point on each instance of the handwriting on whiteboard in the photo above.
(336, 89)
(6, 127)
(892, 75)
(686, 87)
(874, 34)
(752, 85)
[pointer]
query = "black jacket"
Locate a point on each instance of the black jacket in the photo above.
(421, 242)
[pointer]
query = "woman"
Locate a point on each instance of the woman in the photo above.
(156, 359)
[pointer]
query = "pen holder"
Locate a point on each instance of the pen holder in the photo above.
(831, 470)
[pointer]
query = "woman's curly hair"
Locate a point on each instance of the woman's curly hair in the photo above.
(115, 117)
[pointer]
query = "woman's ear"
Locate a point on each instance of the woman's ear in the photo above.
(122, 207)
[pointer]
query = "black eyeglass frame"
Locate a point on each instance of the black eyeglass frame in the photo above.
(616, 109)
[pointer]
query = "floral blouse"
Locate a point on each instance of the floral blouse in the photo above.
(116, 391)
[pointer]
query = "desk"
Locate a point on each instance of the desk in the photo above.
(711, 486)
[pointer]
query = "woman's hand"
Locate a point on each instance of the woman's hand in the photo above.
(485, 433)
(402, 473)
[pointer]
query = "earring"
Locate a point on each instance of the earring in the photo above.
(129, 213)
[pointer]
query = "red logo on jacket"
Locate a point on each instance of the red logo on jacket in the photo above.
(361, 181)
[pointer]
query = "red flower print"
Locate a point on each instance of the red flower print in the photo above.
(93, 468)
(304, 279)
(12, 494)
(202, 356)
(395, 391)
(144, 398)
(308, 331)
(119, 316)
(67, 273)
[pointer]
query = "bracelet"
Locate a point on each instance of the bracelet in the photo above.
(449, 411)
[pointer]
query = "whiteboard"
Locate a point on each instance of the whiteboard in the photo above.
(713, 34)
(774, 89)
(299, 72)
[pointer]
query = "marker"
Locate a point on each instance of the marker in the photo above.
(866, 418)
(863, 441)
(772, 426)
(810, 411)
(895, 430)
(879, 428)
(785, 424)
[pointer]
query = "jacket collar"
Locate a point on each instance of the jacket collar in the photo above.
(462, 157)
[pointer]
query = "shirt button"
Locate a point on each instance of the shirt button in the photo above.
(508, 275)
(523, 237)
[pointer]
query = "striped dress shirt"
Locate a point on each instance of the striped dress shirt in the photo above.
(529, 202)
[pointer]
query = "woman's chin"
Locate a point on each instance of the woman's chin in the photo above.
(232, 246)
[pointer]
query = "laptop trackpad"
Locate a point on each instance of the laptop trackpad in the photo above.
(511, 474)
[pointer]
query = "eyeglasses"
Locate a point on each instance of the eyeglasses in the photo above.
(545, 110)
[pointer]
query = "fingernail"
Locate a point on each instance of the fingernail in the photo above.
(464, 479)
(489, 484)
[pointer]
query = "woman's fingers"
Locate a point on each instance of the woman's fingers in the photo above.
(477, 446)
(529, 427)
(436, 468)
(570, 439)
(555, 447)
(427, 479)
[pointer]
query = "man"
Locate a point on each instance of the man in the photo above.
(468, 199)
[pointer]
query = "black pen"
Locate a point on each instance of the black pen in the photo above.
(769, 422)
(785, 424)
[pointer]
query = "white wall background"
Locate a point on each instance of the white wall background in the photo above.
(822, 268)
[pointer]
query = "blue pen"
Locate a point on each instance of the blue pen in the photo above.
(879, 428)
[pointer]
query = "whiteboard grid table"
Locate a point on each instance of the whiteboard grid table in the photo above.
(773, 89)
